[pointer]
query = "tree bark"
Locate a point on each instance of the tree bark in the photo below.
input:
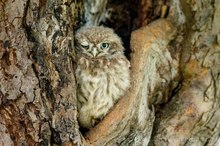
(37, 96)
(191, 117)
(174, 52)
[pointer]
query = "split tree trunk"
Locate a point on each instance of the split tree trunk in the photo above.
(174, 98)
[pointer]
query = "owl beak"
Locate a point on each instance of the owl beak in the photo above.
(94, 52)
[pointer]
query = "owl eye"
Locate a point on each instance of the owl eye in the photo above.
(104, 45)
(85, 46)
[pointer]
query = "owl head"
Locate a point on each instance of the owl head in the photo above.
(98, 42)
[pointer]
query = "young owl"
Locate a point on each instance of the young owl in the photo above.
(102, 73)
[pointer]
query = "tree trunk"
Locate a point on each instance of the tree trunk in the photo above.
(174, 50)
(38, 93)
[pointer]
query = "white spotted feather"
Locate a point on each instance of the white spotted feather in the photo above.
(102, 73)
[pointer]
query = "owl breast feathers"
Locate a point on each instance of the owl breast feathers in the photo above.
(102, 73)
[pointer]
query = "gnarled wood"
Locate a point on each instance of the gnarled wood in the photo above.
(38, 101)
(152, 70)
(175, 91)
(192, 116)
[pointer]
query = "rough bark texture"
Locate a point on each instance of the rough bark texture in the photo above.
(192, 116)
(174, 98)
(37, 96)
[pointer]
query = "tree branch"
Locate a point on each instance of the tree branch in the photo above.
(132, 119)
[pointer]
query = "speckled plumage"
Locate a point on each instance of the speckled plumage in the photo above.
(102, 73)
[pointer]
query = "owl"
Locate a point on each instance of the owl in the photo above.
(102, 73)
